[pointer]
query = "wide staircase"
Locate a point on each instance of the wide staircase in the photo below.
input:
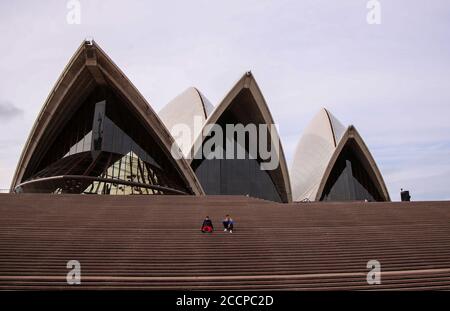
(154, 242)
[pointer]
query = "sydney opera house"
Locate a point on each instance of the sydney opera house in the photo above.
(99, 181)
(97, 135)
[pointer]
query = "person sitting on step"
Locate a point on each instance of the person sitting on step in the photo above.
(228, 224)
(207, 225)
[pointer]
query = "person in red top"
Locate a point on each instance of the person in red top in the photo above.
(207, 225)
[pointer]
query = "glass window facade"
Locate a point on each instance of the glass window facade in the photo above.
(349, 180)
(237, 176)
(103, 148)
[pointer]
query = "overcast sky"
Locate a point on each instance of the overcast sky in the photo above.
(392, 81)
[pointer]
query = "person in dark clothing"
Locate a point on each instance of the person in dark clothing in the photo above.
(228, 224)
(207, 225)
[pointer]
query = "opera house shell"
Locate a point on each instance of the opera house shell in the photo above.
(189, 107)
(244, 104)
(96, 134)
(332, 162)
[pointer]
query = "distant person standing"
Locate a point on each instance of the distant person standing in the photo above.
(207, 226)
(228, 224)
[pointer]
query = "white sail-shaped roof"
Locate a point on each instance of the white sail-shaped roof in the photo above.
(191, 108)
(354, 142)
(88, 69)
(256, 111)
(313, 154)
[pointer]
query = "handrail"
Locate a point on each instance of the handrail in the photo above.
(108, 180)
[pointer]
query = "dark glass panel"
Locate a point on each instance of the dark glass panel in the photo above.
(237, 176)
(349, 180)
(105, 139)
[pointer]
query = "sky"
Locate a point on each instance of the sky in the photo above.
(390, 80)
